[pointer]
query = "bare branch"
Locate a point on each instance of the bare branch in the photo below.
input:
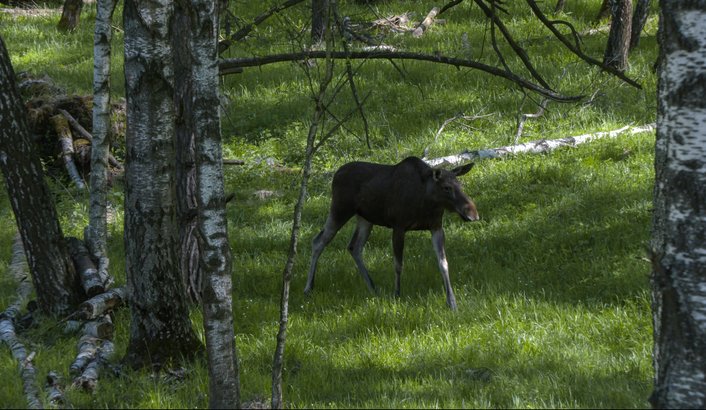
(245, 30)
(399, 55)
(551, 25)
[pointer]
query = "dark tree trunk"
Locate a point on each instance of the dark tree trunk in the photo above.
(185, 154)
(160, 329)
(319, 17)
(679, 224)
(616, 52)
(559, 6)
(604, 11)
(639, 18)
(70, 15)
(55, 280)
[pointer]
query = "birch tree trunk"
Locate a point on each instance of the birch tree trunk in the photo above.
(679, 224)
(97, 233)
(55, 280)
(616, 52)
(160, 328)
(213, 245)
(189, 252)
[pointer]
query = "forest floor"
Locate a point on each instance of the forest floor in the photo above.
(552, 283)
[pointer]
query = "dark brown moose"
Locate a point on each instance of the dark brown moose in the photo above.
(409, 196)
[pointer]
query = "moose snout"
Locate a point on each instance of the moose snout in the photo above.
(469, 212)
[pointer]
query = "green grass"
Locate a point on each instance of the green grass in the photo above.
(552, 283)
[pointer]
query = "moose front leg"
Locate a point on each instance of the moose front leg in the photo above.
(437, 239)
(398, 250)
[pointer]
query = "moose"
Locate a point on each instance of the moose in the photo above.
(408, 196)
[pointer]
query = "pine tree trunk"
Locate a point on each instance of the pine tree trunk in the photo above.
(55, 280)
(616, 52)
(160, 329)
(679, 224)
(214, 247)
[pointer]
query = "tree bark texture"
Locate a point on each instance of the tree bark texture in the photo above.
(97, 233)
(53, 275)
(160, 328)
(616, 52)
(184, 61)
(211, 222)
(679, 224)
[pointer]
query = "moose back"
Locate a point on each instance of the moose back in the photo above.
(408, 196)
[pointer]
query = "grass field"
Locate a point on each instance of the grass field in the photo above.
(552, 283)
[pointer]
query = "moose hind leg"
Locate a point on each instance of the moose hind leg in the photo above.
(437, 239)
(360, 236)
(323, 238)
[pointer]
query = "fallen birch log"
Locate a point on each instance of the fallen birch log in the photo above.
(90, 280)
(99, 304)
(87, 135)
(61, 126)
(533, 147)
(19, 271)
(87, 347)
(426, 23)
(89, 377)
(55, 389)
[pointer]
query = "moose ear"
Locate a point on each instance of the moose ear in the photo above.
(436, 174)
(463, 170)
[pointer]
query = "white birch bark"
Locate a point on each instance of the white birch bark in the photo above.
(679, 225)
(97, 235)
(160, 329)
(215, 255)
(532, 147)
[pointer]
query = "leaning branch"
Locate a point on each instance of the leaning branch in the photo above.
(230, 63)
(533, 147)
(245, 30)
(574, 48)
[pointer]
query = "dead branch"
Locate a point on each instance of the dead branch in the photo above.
(100, 328)
(99, 304)
(523, 117)
(426, 23)
(233, 162)
(87, 135)
(89, 377)
(245, 30)
(490, 13)
(448, 6)
(55, 389)
(66, 142)
(574, 48)
(349, 72)
(398, 23)
(87, 347)
(533, 147)
(383, 54)
(90, 280)
(20, 272)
